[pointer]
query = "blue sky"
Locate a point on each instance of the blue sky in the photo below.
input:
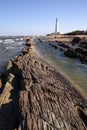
(37, 17)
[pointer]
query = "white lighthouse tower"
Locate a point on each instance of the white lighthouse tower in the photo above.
(56, 26)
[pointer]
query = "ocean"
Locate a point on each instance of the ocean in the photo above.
(10, 46)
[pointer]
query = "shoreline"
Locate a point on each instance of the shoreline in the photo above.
(34, 49)
(59, 69)
(76, 86)
(40, 96)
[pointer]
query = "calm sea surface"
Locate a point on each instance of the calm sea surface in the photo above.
(73, 69)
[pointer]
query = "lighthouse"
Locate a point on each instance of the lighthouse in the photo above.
(56, 26)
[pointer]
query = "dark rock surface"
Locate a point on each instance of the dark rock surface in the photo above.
(29, 42)
(70, 53)
(40, 40)
(63, 45)
(82, 54)
(55, 46)
(36, 97)
(76, 48)
(83, 43)
(75, 40)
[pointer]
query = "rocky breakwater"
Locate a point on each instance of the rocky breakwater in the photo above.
(36, 97)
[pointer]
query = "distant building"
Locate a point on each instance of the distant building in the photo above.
(56, 27)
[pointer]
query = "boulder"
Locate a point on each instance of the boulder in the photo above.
(83, 43)
(40, 40)
(75, 40)
(82, 54)
(70, 53)
(29, 42)
(83, 59)
(61, 49)
(63, 45)
(81, 51)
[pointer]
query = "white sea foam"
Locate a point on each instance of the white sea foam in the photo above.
(21, 39)
(17, 39)
(20, 43)
(8, 41)
(7, 48)
(1, 41)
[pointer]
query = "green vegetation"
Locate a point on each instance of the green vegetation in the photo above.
(77, 32)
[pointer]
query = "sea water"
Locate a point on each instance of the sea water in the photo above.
(9, 47)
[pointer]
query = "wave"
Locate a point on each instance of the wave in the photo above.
(21, 39)
(8, 41)
(18, 39)
(1, 41)
(7, 48)
(20, 43)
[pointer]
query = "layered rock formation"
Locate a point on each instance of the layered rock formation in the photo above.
(74, 47)
(70, 53)
(36, 97)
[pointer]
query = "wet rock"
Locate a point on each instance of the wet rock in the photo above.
(0, 83)
(75, 40)
(63, 45)
(81, 51)
(83, 43)
(61, 49)
(83, 59)
(55, 46)
(82, 54)
(70, 53)
(40, 40)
